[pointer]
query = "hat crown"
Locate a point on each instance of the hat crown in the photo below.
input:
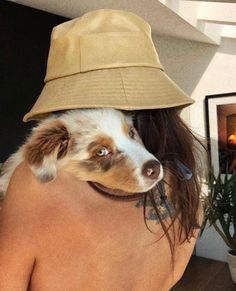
(100, 39)
(102, 21)
(105, 58)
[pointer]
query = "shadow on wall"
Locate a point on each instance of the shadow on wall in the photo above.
(227, 46)
(184, 61)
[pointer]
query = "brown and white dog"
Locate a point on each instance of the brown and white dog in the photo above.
(98, 145)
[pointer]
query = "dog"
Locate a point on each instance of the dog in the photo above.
(98, 145)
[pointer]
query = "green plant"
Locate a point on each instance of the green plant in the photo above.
(220, 206)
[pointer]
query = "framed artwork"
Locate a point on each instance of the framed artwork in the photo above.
(221, 131)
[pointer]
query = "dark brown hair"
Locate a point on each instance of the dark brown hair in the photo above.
(168, 138)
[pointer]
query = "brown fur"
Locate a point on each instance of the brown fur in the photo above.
(126, 129)
(51, 137)
(112, 178)
(100, 141)
(114, 168)
(72, 141)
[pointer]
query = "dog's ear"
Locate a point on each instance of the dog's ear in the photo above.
(48, 143)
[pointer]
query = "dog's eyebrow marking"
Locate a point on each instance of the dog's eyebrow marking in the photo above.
(113, 167)
(92, 145)
(126, 128)
(105, 141)
(95, 163)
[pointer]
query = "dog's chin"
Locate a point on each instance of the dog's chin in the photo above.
(119, 192)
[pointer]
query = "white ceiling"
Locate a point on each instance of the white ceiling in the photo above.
(225, 1)
(176, 18)
(162, 19)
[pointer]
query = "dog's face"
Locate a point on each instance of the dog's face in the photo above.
(99, 145)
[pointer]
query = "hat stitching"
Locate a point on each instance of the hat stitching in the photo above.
(123, 85)
(80, 59)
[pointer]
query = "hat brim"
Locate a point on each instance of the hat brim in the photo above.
(126, 88)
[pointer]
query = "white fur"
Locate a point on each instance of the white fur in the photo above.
(8, 170)
(109, 121)
(88, 123)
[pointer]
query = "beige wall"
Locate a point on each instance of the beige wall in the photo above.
(201, 69)
(219, 77)
(184, 61)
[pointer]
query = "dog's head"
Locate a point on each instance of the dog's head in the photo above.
(99, 145)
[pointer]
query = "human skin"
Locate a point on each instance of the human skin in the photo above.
(63, 235)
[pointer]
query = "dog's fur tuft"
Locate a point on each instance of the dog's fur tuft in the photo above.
(47, 144)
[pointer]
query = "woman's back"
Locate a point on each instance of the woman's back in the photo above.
(66, 236)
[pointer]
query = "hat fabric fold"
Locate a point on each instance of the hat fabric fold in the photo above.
(106, 58)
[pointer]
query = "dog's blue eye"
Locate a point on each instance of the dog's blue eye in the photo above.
(131, 132)
(102, 152)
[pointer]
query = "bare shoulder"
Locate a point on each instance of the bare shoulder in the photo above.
(27, 200)
(33, 204)
(22, 193)
(27, 211)
(18, 249)
(185, 247)
(25, 190)
(18, 207)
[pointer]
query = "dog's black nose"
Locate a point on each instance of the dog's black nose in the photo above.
(151, 169)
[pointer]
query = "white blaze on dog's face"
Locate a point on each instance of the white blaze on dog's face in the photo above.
(99, 145)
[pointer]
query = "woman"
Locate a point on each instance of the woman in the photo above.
(64, 235)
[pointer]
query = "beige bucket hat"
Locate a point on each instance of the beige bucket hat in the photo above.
(106, 58)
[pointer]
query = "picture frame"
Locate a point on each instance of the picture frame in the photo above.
(221, 131)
